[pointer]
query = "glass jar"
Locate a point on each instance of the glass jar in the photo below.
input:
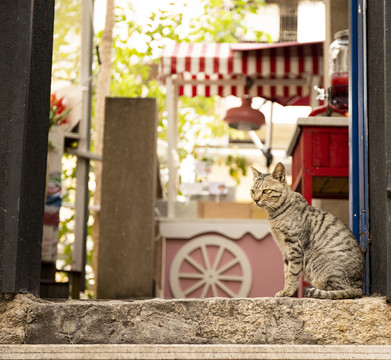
(339, 70)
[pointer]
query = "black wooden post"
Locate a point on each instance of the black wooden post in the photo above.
(26, 39)
(379, 141)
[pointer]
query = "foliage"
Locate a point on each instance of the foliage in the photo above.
(237, 167)
(224, 21)
(66, 40)
(198, 123)
(134, 70)
(220, 21)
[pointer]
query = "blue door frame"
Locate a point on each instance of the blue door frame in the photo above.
(358, 130)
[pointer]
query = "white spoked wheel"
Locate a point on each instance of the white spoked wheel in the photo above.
(210, 265)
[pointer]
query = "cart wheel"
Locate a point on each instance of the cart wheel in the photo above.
(210, 265)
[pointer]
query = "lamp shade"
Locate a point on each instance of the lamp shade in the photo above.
(245, 117)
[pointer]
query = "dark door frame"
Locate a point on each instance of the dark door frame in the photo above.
(370, 137)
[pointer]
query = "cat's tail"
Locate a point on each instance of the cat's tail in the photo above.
(351, 293)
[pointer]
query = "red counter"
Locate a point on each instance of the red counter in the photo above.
(320, 157)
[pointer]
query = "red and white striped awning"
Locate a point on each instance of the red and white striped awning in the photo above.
(282, 72)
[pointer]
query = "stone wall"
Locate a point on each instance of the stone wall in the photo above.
(25, 319)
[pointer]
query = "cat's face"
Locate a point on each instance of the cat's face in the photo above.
(268, 190)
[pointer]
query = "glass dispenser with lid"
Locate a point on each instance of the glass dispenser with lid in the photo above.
(338, 93)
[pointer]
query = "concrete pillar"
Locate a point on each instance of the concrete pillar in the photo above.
(125, 258)
(26, 41)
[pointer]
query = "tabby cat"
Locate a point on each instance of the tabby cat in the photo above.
(312, 241)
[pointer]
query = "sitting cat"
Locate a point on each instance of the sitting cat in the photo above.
(312, 241)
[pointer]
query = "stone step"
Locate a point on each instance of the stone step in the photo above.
(202, 352)
(270, 321)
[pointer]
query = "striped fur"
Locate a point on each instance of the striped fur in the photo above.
(312, 241)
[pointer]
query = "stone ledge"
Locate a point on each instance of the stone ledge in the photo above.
(202, 352)
(25, 319)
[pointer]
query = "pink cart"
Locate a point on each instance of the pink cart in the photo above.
(220, 258)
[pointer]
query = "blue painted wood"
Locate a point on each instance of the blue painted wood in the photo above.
(358, 130)
(353, 125)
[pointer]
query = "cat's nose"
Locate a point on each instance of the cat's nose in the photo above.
(256, 197)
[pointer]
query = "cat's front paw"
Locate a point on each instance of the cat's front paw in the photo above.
(283, 293)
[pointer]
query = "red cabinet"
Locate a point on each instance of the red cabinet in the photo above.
(320, 158)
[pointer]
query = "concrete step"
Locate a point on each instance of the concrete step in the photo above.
(202, 352)
(271, 321)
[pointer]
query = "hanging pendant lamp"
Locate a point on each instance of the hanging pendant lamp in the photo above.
(244, 117)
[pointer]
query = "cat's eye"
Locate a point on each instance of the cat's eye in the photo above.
(267, 191)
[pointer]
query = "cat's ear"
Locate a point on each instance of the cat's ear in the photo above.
(279, 172)
(256, 173)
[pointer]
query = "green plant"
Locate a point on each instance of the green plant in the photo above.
(66, 41)
(237, 166)
(224, 21)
